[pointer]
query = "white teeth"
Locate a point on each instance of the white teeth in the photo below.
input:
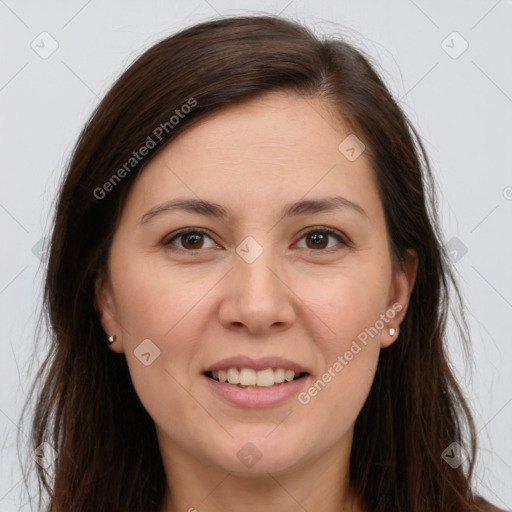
(289, 374)
(233, 376)
(265, 378)
(249, 377)
(279, 375)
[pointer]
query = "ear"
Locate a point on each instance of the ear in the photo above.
(402, 284)
(105, 306)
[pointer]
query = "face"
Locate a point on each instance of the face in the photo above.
(286, 275)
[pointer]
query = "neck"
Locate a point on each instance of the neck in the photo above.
(322, 484)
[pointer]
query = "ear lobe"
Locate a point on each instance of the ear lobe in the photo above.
(404, 277)
(104, 305)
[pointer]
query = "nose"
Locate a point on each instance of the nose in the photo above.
(258, 299)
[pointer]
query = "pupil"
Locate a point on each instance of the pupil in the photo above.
(195, 239)
(318, 238)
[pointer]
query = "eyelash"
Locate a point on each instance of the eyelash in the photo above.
(187, 231)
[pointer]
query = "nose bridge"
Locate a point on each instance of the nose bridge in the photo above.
(253, 267)
(257, 298)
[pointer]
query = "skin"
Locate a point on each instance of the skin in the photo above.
(301, 299)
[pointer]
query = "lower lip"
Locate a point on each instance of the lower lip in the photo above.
(257, 397)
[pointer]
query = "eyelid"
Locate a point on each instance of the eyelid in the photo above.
(342, 238)
(185, 231)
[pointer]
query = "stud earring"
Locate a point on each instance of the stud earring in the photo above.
(111, 339)
(392, 331)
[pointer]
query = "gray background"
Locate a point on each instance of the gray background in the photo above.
(461, 103)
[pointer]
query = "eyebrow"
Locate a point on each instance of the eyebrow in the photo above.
(211, 209)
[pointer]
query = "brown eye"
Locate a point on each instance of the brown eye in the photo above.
(189, 240)
(192, 240)
(318, 239)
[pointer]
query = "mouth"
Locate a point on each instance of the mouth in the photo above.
(247, 382)
(248, 378)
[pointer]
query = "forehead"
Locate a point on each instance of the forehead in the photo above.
(280, 124)
(259, 151)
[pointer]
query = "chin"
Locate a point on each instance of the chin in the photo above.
(258, 455)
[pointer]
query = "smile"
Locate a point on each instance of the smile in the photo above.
(254, 396)
(248, 378)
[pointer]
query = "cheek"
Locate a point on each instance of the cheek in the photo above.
(158, 314)
(152, 299)
(336, 397)
(349, 358)
(349, 303)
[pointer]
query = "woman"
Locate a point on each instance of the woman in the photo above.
(248, 291)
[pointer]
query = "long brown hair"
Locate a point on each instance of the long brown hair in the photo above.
(86, 408)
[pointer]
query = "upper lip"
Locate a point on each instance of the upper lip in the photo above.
(256, 364)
